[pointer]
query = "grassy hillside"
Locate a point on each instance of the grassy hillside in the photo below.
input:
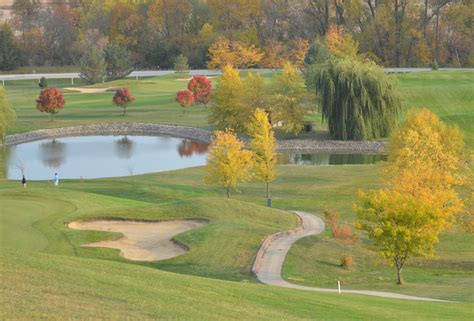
(53, 287)
(225, 248)
(450, 94)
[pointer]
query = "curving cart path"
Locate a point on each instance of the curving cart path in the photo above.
(271, 256)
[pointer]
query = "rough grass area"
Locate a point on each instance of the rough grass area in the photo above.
(450, 94)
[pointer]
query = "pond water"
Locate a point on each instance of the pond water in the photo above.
(114, 156)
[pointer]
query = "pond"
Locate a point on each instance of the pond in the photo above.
(115, 156)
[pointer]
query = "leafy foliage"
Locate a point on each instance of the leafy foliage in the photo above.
(290, 100)
(238, 54)
(358, 99)
(122, 98)
(7, 114)
(201, 87)
(341, 44)
(117, 61)
(93, 65)
(185, 98)
(43, 83)
(228, 109)
(9, 51)
(425, 165)
(51, 101)
(263, 145)
(228, 163)
(181, 63)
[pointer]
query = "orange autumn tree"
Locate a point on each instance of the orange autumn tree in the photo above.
(235, 53)
(185, 98)
(122, 98)
(426, 163)
(201, 87)
(228, 163)
(50, 101)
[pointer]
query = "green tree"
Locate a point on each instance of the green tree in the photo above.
(117, 61)
(263, 145)
(93, 65)
(290, 100)
(7, 115)
(358, 99)
(9, 51)
(181, 63)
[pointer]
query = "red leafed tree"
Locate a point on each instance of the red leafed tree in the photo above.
(51, 101)
(184, 98)
(201, 87)
(122, 98)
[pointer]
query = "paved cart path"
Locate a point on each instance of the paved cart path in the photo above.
(271, 256)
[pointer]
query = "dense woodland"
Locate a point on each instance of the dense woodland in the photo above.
(155, 33)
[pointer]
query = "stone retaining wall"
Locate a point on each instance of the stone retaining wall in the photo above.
(257, 263)
(202, 135)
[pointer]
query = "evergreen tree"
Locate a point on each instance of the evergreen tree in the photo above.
(118, 62)
(93, 65)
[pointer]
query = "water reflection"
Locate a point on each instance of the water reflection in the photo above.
(124, 147)
(328, 159)
(188, 148)
(53, 153)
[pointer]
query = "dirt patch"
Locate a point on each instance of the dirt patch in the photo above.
(141, 241)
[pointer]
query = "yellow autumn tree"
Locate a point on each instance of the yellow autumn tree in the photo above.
(228, 163)
(426, 163)
(254, 91)
(427, 160)
(400, 225)
(238, 54)
(263, 145)
(229, 109)
(341, 44)
(298, 53)
(7, 115)
(290, 100)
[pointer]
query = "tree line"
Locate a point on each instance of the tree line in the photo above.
(156, 32)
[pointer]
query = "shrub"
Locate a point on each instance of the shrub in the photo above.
(185, 98)
(43, 83)
(434, 65)
(346, 260)
(344, 232)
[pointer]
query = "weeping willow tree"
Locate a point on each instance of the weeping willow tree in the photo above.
(7, 115)
(358, 99)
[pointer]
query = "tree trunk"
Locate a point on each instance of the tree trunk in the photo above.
(228, 192)
(399, 275)
(268, 190)
(124, 111)
(437, 36)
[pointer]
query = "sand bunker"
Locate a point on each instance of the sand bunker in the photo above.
(141, 241)
(84, 90)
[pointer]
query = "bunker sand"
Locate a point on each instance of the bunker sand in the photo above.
(141, 241)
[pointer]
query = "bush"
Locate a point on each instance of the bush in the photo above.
(347, 260)
(434, 65)
(181, 63)
(43, 83)
(344, 232)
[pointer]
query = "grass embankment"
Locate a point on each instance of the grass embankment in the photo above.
(41, 286)
(450, 94)
(46, 274)
(225, 248)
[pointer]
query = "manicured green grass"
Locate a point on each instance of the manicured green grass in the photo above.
(225, 248)
(53, 287)
(450, 94)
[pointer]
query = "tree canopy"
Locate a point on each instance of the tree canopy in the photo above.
(358, 100)
(7, 114)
